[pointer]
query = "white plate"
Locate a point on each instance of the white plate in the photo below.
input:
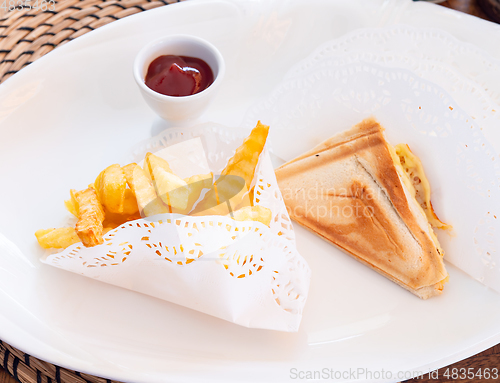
(76, 110)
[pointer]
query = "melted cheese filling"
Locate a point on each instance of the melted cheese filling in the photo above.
(413, 176)
(421, 188)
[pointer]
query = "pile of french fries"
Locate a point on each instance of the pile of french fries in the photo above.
(125, 193)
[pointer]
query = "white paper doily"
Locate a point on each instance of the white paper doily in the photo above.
(467, 93)
(419, 44)
(243, 272)
(462, 167)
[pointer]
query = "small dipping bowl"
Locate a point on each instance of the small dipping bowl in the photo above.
(179, 108)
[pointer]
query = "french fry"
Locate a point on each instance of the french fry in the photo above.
(110, 186)
(57, 238)
(88, 204)
(237, 176)
(148, 202)
(130, 213)
(113, 220)
(90, 217)
(195, 185)
(194, 182)
(155, 207)
(97, 185)
(253, 213)
(170, 188)
(245, 159)
(152, 161)
(71, 204)
(223, 206)
(130, 206)
(128, 171)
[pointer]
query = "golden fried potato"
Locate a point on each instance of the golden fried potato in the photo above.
(97, 185)
(130, 203)
(199, 182)
(57, 238)
(222, 207)
(195, 185)
(155, 207)
(113, 220)
(245, 159)
(237, 176)
(253, 213)
(128, 171)
(172, 190)
(140, 185)
(152, 161)
(148, 202)
(71, 204)
(90, 217)
(110, 186)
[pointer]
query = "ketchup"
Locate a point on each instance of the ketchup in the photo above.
(178, 75)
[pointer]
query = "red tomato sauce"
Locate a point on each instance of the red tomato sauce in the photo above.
(178, 75)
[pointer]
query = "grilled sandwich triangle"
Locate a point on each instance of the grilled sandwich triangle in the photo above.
(350, 191)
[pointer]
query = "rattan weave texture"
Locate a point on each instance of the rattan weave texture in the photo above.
(25, 36)
(28, 369)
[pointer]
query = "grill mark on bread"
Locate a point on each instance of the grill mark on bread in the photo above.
(358, 192)
(386, 195)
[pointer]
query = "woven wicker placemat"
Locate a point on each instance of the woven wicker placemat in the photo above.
(25, 36)
(27, 369)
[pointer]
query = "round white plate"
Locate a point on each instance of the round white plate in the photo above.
(77, 110)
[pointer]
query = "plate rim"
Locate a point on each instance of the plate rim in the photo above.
(460, 355)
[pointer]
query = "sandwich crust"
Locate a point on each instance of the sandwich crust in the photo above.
(348, 191)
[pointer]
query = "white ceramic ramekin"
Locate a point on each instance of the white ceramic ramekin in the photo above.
(183, 108)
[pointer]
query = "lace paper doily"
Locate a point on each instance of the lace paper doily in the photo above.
(416, 43)
(244, 272)
(462, 167)
(467, 93)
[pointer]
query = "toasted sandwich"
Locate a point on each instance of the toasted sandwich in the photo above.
(372, 201)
